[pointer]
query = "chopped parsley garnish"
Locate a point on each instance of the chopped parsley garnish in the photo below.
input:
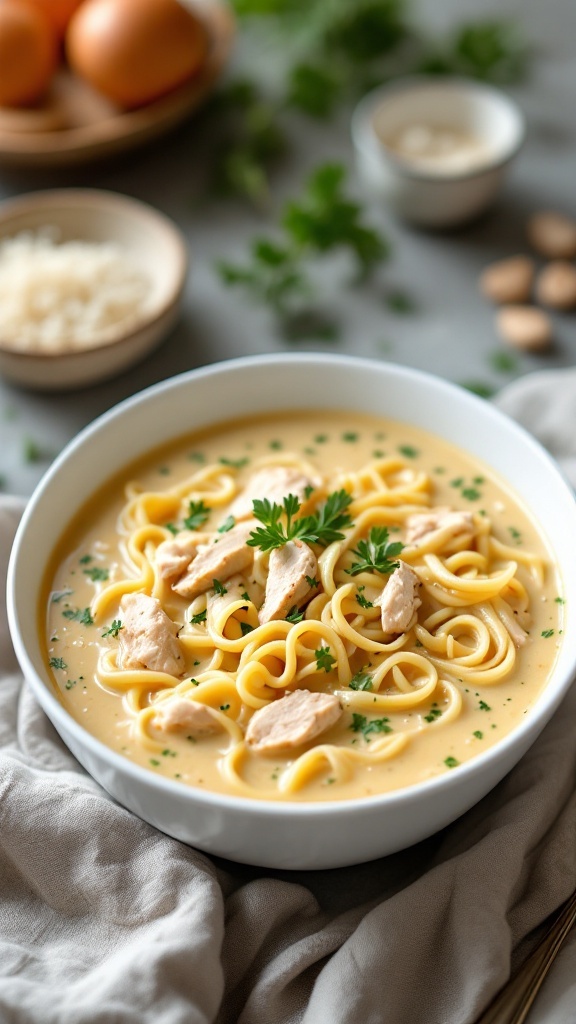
(227, 525)
(363, 601)
(376, 553)
(97, 573)
(458, 482)
(557, 600)
(479, 735)
(234, 463)
(408, 451)
(324, 660)
(245, 596)
(224, 707)
(86, 559)
(276, 446)
(219, 588)
(196, 457)
(350, 437)
(361, 681)
(195, 620)
(295, 615)
(547, 633)
(82, 615)
(172, 527)
(432, 715)
(57, 663)
(198, 513)
(515, 534)
(369, 725)
(321, 528)
(169, 753)
(154, 762)
(195, 682)
(312, 581)
(321, 438)
(451, 762)
(483, 706)
(114, 629)
(59, 594)
(471, 494)
(308, 490)
(245, 628)
(70, 684)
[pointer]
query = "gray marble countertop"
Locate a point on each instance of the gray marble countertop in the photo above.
(450, 332)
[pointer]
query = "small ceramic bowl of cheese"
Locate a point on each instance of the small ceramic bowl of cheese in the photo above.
(436, 149)
(90, 282)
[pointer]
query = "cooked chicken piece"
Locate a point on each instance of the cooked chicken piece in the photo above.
(420, 524)
(174, 556)
(178, 715)
(286, 585)
(274, 483)
(222, 558)
(297, 718)
(148, 636)
(399, 599)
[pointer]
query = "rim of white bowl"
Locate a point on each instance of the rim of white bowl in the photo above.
(368, 143)
(544, 706)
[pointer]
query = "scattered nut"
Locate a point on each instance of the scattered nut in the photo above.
(556, 285)
(524, 327)
(508, 280)
(553, 235)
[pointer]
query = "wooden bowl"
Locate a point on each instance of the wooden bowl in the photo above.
(75, 124)
(154, 246)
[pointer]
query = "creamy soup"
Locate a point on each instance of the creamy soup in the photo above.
(303, 607)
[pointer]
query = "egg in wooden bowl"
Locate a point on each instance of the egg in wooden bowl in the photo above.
(303, 611)
(90, 282)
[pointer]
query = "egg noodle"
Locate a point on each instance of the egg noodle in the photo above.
(474, 605)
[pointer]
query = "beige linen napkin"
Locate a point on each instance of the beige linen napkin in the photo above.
(104, 920)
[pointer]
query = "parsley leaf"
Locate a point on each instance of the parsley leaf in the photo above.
(195, 620)
(321, 528)
(97, 573)
(369, 725)
(82, 615)
(324, 660)
(363, 601)
(198, 513)
(114, 629)
(376, 553)
(361, 681)
(295, 615)
(227, 525)
(57, 663)
(219, 588)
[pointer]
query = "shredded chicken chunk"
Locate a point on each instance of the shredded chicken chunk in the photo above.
(399, 599)
(226, 555)
(174, 556)
(297, 718)
(274, 483)
(178, 715)
(148, 638)
(421, 524)
(287, 585)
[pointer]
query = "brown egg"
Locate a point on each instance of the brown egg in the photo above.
(58, 12)
(134, 51)
(28, 53)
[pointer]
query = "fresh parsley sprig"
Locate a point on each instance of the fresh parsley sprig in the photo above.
(323, 527)
(198, 513)
(376, 554)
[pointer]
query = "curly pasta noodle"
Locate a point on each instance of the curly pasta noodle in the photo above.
(471, 615)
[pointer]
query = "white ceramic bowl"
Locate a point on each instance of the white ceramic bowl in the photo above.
(154, 246)
(278, 834)
(420, 195)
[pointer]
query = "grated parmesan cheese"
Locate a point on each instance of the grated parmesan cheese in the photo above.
(61, 296)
